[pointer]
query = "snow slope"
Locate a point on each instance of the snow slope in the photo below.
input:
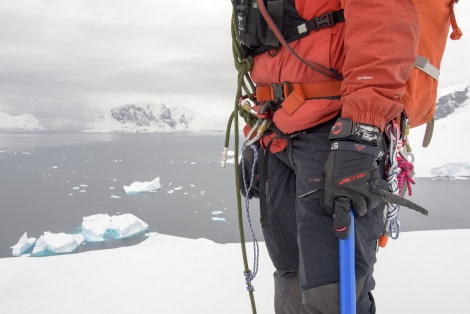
(421, 272)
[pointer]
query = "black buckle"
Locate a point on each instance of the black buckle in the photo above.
(325, 20)
(278, 92)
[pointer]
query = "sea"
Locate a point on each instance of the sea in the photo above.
(49, 181)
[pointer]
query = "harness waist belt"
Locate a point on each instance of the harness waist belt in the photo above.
(293, 95)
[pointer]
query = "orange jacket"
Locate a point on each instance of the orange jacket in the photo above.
(374, 50)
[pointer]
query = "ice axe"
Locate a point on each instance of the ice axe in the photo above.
(347, 272)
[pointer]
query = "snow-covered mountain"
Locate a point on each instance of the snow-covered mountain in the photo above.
(447, 154)
(163, 118)
(142, 118)
(451, 100)
(23, 122)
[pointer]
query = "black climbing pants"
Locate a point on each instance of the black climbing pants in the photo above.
(299, 233)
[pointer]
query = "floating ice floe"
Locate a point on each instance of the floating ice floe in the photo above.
(102, 227)
(95, 228)
(139, 187)
(23, 245)
(57, 243)
(219, 219)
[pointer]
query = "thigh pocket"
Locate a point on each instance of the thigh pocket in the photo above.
(309, 185)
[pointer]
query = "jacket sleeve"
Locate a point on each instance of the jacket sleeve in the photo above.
(380, 44)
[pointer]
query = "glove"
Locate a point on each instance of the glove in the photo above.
(248, 172)
(351, 175)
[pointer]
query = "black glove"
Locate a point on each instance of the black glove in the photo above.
(351, 175)
(248, 172)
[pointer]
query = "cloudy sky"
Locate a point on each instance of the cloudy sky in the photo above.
(67, 62)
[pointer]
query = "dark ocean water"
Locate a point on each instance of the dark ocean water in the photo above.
(50, 181)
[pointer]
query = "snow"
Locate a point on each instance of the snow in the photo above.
(422, 272)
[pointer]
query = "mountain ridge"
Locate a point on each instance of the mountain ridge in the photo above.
(147, 118)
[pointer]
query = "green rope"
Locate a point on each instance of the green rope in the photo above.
(245, 84)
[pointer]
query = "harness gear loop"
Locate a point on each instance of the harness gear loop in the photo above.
(399, 179)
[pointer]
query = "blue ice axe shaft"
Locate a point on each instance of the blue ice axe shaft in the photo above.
(347, 272)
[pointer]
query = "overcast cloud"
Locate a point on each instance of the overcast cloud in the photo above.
(75, 59)
(67, 62)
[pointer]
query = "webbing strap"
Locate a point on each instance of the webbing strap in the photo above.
(425, 65)
(275, 9)
(328, 72)
(326, 20)
(294, 95)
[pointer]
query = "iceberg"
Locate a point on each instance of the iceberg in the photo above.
(128, 225)
(102, 227)
(23, 245)
(57, 243)
(147, 186)
(94, 228)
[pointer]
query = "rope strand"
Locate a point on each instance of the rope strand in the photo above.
(248, 275)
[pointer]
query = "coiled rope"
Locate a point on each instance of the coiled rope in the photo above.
(245, 85)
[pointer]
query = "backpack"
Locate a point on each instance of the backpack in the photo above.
(420, 96)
